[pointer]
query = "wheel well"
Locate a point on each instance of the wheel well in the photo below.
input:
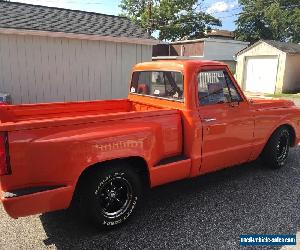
(138, 164)
(291, 132)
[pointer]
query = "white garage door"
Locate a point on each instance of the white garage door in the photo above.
(261, 74)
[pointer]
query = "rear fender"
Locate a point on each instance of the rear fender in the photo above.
(88, 148)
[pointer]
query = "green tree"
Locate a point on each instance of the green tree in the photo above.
(269, 19)
(172, 19)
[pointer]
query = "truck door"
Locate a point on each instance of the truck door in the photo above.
(227, 122)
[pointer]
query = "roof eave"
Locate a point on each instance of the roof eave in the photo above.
(210, 40)
(120, 39)
(249, 47)
(269, 44)
(188, 41)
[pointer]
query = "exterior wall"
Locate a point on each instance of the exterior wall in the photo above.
(222, 50)
(43, 69)
(291, 82)
(175, 50)
(187, 49)
(184, 49)
(202, 49)
(231, 65)
(262, 49)
(160, 50)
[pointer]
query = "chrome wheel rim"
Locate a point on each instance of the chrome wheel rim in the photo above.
(115, 197)
(282, 147)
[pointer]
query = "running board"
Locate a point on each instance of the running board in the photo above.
(172, 159)
(170, 169)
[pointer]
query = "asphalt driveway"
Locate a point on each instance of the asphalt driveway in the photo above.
(208, 212)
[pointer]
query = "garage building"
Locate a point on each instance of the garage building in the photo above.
(269, 67)
(53, 55)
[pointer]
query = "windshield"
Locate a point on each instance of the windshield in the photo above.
(163, 84)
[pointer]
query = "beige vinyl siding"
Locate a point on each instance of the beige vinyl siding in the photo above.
(291, 83)
(45, 69)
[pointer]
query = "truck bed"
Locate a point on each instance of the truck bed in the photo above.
(12, 117)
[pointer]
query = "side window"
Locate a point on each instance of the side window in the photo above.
(216, 87)
(235, 96)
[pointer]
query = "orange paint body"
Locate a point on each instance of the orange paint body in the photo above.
(52, 144)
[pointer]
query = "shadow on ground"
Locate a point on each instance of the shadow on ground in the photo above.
(208, 212)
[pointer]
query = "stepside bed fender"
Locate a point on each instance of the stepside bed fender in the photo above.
(88, 147)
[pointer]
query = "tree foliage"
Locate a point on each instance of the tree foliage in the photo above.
(172, 19)
(269, 19)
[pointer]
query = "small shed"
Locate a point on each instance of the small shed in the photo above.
(269, 67)
(53, 54)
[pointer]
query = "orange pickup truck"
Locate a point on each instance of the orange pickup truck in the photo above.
(182, 119)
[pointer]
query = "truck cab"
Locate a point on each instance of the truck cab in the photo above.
(217, 119)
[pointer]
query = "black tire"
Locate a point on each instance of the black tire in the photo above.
(110, 195)
(276, 151)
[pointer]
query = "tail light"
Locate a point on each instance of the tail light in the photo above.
(4, 155)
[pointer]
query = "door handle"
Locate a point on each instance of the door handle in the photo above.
(209, 119)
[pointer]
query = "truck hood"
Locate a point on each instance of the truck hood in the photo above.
(271, 103)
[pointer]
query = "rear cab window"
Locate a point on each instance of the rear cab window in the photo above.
(160, 84)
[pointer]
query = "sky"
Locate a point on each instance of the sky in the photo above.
(225, 10)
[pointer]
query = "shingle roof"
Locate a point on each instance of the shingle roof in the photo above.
(290, 48)
(34, 17)
(222, 33)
